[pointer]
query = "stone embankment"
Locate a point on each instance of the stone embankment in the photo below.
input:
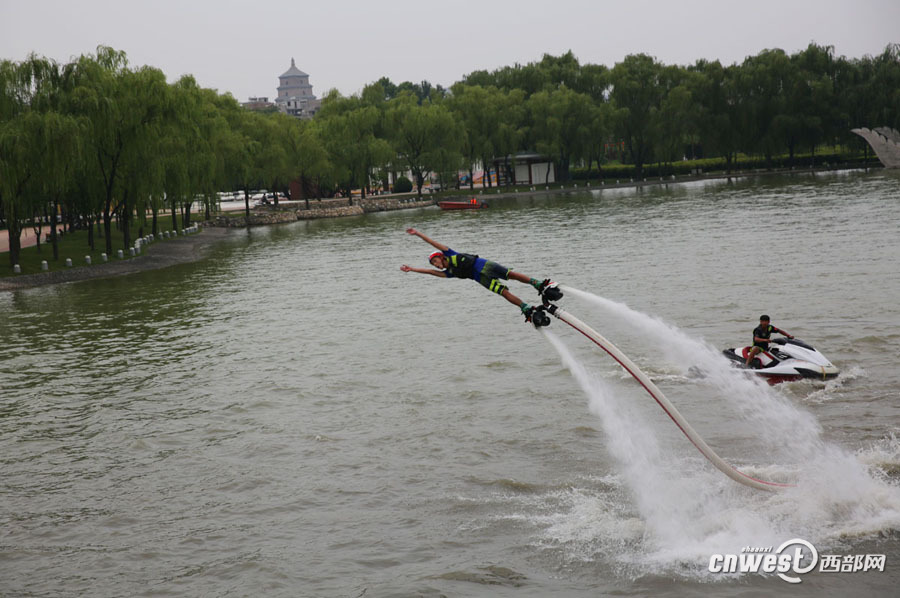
(325, 208)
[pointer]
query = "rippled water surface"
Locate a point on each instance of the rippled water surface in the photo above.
(294, 416)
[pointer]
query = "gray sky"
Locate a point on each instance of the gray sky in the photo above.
(242, 47)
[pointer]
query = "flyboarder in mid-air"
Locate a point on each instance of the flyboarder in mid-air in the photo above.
(451, 264)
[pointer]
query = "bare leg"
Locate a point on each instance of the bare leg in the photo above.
(752, 354)
(511, 298)
(519, 276)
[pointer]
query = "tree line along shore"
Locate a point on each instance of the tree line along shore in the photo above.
(96, 143)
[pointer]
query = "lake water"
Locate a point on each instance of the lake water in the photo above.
(294, 416)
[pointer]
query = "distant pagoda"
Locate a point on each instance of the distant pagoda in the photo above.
(295, 94)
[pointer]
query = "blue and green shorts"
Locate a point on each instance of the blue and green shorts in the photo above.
(491, 275)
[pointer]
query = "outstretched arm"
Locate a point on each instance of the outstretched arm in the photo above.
(438, 273)
(430, 241)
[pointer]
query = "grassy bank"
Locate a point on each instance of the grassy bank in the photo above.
(73, 245)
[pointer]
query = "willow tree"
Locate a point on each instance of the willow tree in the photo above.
(510, 129)
(38, 144)
(421, 134)
(123, 108)
(561, 120)
(17, 147)
(63, 135)
(600, 124)
(20, 152)
(233, 146)
(307, 157)
(274, 162)
(472, 106)
(245, 170)
(350, 129)
(506, 113)
(193, 123)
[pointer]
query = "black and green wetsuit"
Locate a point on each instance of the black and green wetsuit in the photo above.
(485, 272)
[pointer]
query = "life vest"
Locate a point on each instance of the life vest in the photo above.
(462, 265)
(765, 333)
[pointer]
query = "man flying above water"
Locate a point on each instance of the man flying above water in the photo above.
(451, 264)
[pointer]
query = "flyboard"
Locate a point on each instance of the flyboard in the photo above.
(662, 401)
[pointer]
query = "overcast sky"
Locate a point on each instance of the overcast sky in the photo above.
(241, 46)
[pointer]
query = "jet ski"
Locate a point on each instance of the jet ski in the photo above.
(786, 360)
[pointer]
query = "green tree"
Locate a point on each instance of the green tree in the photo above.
(123, 108)
(761, 82)
(39, 145)
(561, 125)
(637, 92)
(599, 126)
(715, 93)
(425, 136)
(350, 128)
(475, 108)
(307, 157)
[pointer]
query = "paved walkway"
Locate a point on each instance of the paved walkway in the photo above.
(28, 238)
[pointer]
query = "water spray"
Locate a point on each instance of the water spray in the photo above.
(670, 410)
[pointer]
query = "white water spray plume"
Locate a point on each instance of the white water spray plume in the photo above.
(690, 510)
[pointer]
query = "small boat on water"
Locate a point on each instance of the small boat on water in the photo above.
(472, 204)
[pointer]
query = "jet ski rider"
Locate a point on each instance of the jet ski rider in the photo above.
(761, 335)
(451, 264)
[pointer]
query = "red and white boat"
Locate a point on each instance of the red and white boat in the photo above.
(471, 204)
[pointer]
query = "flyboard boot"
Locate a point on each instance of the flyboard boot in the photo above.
(536, 316)
(549, 291)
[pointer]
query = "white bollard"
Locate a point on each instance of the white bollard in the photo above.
(120, 254)
(68, 262)
(131, 252)
(87, 260)
(17, 269)
(104, 257)
(45, 266)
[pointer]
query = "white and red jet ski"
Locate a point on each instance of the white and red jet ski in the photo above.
(784, 361)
